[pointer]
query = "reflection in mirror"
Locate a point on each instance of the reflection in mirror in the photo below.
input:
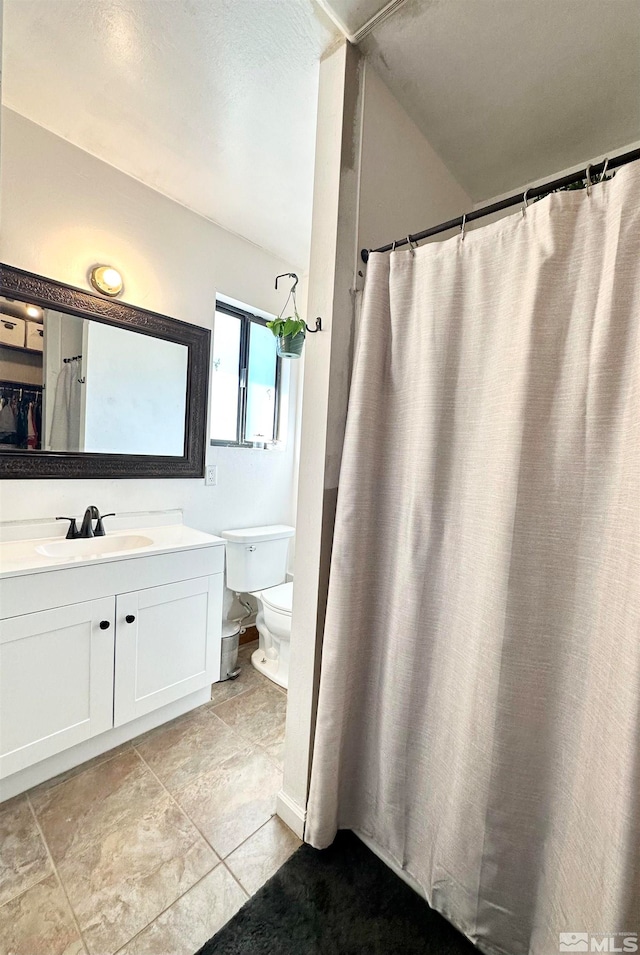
(73, 384)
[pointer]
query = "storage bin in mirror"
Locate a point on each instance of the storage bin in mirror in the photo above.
(91, 387)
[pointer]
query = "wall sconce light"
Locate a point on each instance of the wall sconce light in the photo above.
(106, 279)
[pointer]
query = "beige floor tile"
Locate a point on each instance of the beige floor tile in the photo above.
(77, 770)
(193, 919)
(249, 678)
(258, 714)
(229, 803)
(124, 850)
(275, 751)
(86, 807)
(183, 749)
(120, 883)
(23, 855)
(136, 870)
(275, 736)
(260, 857)
(39, 922)
(245, 651)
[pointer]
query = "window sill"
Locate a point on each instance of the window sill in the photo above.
(268, 446)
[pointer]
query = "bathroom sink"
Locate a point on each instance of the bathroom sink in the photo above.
(39, 546)
(94, 546)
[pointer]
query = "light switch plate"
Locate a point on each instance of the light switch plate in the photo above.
(211, 475)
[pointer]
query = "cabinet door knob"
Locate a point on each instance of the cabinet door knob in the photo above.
(104, 624)
(130, 618)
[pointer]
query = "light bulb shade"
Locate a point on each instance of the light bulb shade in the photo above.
(106, 279)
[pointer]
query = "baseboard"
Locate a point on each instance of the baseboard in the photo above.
(97, 745)
(292, 814)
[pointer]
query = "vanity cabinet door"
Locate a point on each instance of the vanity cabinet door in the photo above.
(56, 681)
(167, 644)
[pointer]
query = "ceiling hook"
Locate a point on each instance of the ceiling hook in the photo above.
(588, 178)
(288, 275)
(462, 227)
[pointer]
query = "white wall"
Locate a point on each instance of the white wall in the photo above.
(404, 185)
(62, 211)
(377, 178)
(331, 271)
(558, 174)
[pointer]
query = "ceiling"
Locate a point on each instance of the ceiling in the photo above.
(213, 102)
(509, 91)
(352, 16)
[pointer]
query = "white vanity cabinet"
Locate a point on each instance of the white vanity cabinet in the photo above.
(163, 644)
(56, 681)
(78, 677)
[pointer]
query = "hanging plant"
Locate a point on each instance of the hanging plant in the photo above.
(290, 333)
(290, 330)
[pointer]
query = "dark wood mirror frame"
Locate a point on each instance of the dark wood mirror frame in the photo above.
(37, 290)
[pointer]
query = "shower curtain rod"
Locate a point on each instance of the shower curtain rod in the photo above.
(533, 193)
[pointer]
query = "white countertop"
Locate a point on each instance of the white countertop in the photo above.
(23, 555)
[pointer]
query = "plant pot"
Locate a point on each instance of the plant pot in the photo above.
(290, 346)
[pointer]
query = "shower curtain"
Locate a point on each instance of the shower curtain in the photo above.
(479, 708)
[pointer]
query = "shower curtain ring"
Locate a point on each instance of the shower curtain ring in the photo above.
(464, 222)
(412, 247)
(588, 178)
(393, 245)
(524, 202)
(603, 175)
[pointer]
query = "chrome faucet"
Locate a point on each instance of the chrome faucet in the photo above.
(93, 514)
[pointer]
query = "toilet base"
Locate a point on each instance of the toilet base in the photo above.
(268, 668)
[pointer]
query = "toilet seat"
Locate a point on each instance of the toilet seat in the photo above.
(279, 598)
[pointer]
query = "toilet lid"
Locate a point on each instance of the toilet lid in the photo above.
(280, 597)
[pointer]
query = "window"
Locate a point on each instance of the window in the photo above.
(246, 378)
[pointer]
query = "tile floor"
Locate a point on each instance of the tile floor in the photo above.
(152, 847)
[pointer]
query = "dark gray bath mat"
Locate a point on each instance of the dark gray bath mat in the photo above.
(340, 901)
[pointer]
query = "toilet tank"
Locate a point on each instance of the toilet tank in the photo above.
(257, 556)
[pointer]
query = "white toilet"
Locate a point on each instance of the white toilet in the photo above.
(257, 565)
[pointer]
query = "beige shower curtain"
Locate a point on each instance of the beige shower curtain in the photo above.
(479, 711)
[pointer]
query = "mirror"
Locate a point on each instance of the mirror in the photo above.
(81, 379)
(80, 385)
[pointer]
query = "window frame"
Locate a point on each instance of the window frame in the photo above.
(247, 317)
